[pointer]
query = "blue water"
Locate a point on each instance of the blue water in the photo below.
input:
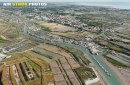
(120, 5)
(111, 80)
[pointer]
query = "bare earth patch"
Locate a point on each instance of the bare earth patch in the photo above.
(57, 27)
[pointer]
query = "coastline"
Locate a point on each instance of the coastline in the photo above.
(117, 73)
(117, 5)
(89, 82)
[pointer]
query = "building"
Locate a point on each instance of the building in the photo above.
(92, 49)
(2, 56)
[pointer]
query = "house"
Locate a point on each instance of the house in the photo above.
(2, 56)
(92, 49)
(113, 52)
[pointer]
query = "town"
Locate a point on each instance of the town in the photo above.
(64, 44)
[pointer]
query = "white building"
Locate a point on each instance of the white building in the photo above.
(92, 49)
(2, 56)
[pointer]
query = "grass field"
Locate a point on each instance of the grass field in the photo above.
(32, 62)
(127, 32)
(56, 27)
(65, 51)
(44, 54)
(77, 54)
(9, 29)
(35, 66)
(85, 73)
(3, 40)
(73, 35)
(114, 62)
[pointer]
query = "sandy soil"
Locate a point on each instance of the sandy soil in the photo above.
(117, 72)
(57, 27)
(102, 79)
(70, 33)
(3, 37)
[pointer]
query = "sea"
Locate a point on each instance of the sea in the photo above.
(120, 5)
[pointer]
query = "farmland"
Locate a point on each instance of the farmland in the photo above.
(9, 29)
(54, 26)
(3, 40)
(24, 63)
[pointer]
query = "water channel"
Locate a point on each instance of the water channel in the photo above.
(113, 80)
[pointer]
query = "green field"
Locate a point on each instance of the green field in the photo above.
(114, 62)
(127, 32)
(9, 28)
(42, 27)
(34, 65)
(77, 54)
(85, 73)
(43, 54)
(3, 40)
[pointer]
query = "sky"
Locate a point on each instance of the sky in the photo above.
(64, 0)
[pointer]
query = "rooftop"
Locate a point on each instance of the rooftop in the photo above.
(2, 55)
